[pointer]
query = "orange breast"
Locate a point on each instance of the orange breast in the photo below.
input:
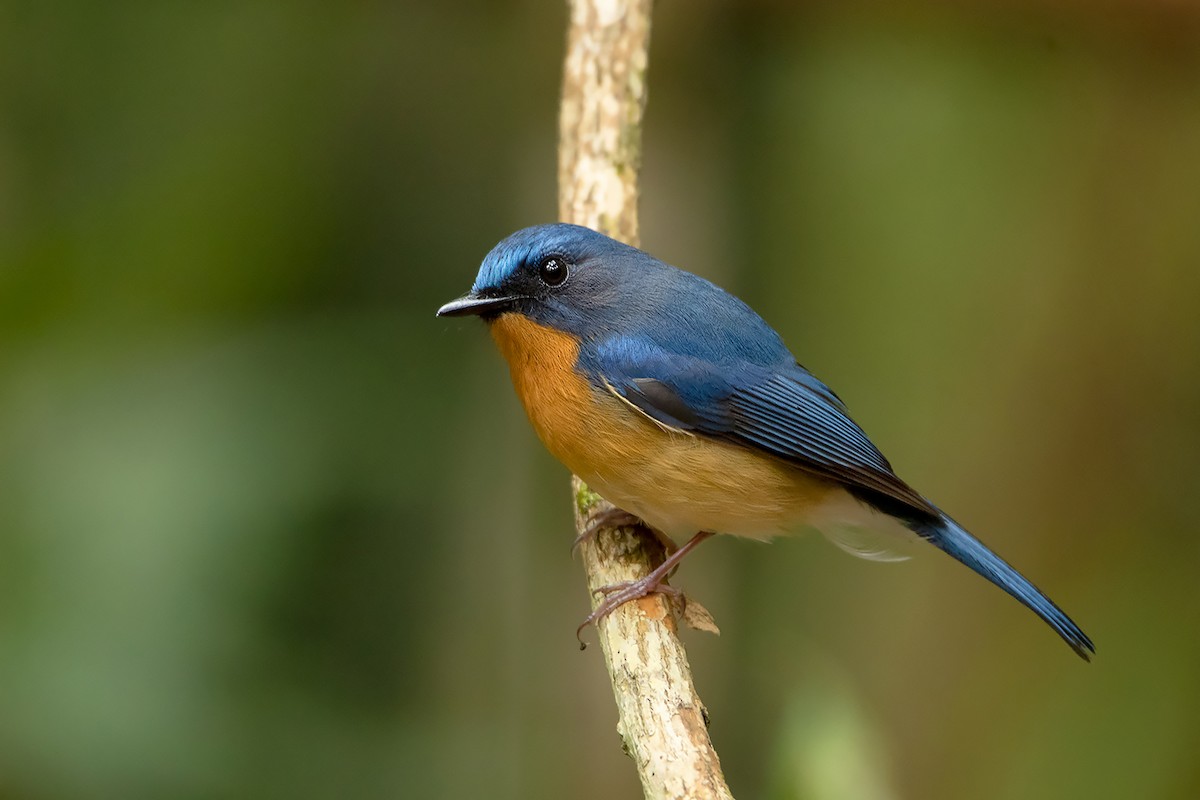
(559, 402)
(677, 482)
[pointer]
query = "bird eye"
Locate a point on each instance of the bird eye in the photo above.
(552, 271)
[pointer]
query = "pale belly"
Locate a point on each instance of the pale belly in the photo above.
(682, 484)
(688, 485)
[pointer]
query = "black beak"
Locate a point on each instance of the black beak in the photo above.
(476, 305)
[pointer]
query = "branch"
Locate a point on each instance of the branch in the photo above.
(661, 720)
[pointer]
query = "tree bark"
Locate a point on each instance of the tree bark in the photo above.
(661, 720)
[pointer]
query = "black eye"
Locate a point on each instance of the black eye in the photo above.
(552, 271)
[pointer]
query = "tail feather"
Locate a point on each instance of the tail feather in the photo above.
(950, 537)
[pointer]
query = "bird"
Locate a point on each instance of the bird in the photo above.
(676, 402)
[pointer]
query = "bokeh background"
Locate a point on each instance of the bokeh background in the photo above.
(269, 529)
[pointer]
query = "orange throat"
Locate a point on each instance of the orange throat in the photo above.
(558, 400)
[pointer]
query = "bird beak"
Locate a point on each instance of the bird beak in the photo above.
(473, 304)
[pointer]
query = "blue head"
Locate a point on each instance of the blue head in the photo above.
(576, 280)
(562, 276)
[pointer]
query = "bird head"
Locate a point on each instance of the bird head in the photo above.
(565, 277)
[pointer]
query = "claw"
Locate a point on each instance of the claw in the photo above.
(610, 518)
(618, 594)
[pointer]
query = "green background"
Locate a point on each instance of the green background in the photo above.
(270, 529)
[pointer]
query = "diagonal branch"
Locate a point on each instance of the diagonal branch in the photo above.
(661, 720)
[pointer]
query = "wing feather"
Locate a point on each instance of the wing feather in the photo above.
(784, 412)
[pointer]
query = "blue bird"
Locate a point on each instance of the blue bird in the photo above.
(679, 405)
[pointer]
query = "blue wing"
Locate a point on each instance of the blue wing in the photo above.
(778, 408)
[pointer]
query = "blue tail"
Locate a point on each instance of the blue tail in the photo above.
(950, 537)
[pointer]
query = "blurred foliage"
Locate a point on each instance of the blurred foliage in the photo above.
(269, 529)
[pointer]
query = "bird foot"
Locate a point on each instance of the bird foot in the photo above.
(618, 594)
(610, 518)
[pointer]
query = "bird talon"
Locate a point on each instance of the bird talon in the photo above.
(613, 587)
(609, 518)
(618, 594)
(662, 588)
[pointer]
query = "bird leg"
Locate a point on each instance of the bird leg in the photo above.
(620, 593)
